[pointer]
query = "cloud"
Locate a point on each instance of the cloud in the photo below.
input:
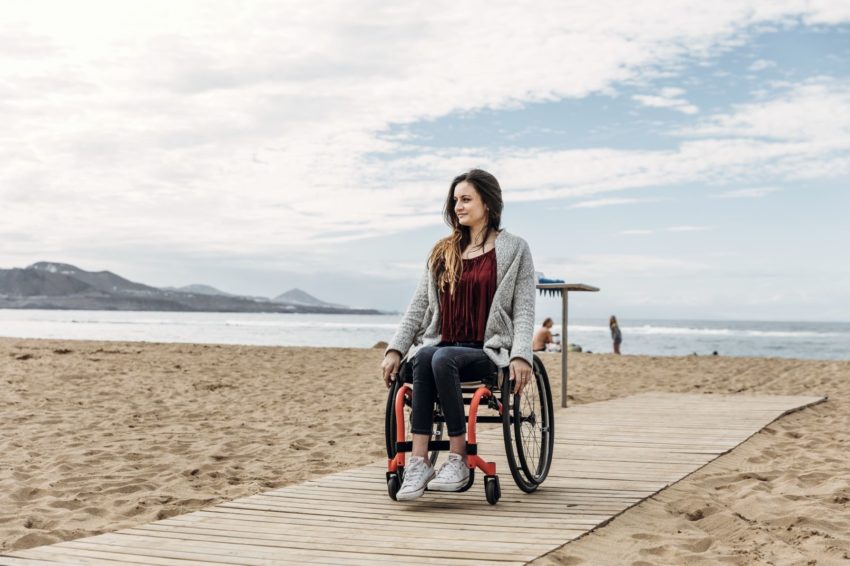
(761, 65)
(669, 97)
(600, 266)
(212, 128)
(596, 203)
(644, 232)
(688, 228)
(812, 112)
(757, 192)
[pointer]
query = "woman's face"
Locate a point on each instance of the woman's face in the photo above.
(469, 207)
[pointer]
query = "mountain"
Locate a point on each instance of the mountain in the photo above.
(48, 285)
(200, 289)
(103, 280)
(299, 297)
(25, 282)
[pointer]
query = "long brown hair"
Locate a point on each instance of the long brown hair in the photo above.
(445, 259)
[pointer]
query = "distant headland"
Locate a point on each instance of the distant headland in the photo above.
(48, 285)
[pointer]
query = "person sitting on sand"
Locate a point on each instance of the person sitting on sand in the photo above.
(543, 336)
(616, 335)
(476, 280)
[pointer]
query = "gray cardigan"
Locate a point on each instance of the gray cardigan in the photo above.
(510, 323)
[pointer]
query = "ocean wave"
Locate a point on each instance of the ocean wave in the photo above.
(638, 330)
(649, 330)
(236, 323)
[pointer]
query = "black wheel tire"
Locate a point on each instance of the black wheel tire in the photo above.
(469, 482)
(492, 489)
(393, 485)
(389, 418)
(508, 431)
(535, 457)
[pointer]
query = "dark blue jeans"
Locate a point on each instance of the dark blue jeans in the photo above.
(437, 372)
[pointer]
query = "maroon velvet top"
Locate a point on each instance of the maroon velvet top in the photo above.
(464, 314)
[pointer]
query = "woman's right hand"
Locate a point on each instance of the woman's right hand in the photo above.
(389, 367)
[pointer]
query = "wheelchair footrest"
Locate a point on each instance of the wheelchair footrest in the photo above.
(438, 445)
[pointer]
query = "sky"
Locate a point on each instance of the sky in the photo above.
(691, 159)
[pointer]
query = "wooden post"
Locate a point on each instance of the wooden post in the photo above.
(564, 343)
(563, 289)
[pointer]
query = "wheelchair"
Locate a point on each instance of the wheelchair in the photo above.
(527, 426)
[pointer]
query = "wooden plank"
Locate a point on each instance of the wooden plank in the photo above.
(397, 517)
(443, 507)
(364, 541)
(608, 457)
(71, 551)
(242, 530)
(519, 502)
(236, 553)
(18, 561)
(359, 523)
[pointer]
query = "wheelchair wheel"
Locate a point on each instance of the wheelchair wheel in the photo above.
(390, 422)
(492, 490)
(528, 429)
(393, 485)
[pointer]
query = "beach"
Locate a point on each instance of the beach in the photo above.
(100, 436)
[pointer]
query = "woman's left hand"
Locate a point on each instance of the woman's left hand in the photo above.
(520, 374)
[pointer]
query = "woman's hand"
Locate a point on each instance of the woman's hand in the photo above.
(520, 374)
(389, 367)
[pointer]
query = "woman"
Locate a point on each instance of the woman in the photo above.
(543, 336)
(616, 335)
(472, 312)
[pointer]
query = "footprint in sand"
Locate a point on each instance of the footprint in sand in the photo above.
(124, 489)
(813, 479)
(655, 550)
(567, 560)
(756, 476)
(700, 545)
(302, 444)
(697, 515)
(645, 536)
(34, 539)
(26, 494)
(70, 504)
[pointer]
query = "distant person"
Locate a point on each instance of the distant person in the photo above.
(543, 336)
(616, 335)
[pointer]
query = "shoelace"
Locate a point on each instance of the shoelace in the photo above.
(446, 468)
(414, 473)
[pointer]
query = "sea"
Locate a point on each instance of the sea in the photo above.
(805, 340)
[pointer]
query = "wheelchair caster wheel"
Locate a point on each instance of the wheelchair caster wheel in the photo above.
(492, 489)
(393, 485)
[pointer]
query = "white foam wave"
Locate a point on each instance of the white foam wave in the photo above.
(240, 323)
(649, 330)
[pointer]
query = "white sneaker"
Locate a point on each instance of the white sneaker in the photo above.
(417, 474)
(453, 475)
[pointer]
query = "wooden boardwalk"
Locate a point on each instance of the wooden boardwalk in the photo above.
(608, 457)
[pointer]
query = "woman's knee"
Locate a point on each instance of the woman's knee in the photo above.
(443, 363)
(423, 356)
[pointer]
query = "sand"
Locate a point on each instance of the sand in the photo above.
(99, 436)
